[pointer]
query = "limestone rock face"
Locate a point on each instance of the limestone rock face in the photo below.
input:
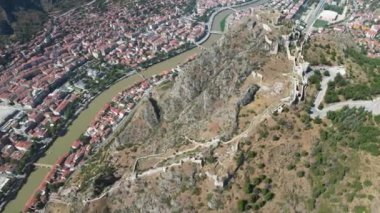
(203, 103)
(143, 122)
(210, 88)
(151, 113)
(249, 95)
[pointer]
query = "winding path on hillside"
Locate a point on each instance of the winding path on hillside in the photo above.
(370, 105)
(326, 79)
(181, 159)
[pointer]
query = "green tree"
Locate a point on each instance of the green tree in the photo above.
(240, 159)
(248, 188)
(301, 173)
(251, 154)
(269, 196)
(242, 205)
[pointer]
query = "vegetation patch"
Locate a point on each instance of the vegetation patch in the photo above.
(258, 191)
(335, 8)
(316, 79)
(334, 154)
(341, 87)
(223, 23)
(320, 24)
(357, 125)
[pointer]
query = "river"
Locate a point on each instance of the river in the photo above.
(62, 144)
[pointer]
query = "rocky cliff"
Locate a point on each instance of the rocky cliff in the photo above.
(221, 138)
(204, 103)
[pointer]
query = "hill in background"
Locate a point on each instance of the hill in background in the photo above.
(21, 19)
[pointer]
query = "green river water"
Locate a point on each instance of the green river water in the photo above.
(62, 144)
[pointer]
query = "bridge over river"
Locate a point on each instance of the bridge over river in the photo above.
(42, 165)
(216, 32)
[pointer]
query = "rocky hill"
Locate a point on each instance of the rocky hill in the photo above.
(220, 138)
(182, 123)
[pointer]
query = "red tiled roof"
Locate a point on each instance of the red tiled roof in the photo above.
(23, 145)
(76, 144)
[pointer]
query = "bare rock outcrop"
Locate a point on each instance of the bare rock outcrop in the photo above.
(151, 113)
(249, 95)
(211, 89)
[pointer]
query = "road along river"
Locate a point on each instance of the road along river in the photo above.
(62, 144)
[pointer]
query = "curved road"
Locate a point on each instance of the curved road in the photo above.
(370, 105)
(213, 24)
(326, 79)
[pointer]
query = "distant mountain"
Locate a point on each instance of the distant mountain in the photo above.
(5, 28)
(21, 19)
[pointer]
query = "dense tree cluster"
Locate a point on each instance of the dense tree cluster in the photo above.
(356, 91)
(259, 191)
